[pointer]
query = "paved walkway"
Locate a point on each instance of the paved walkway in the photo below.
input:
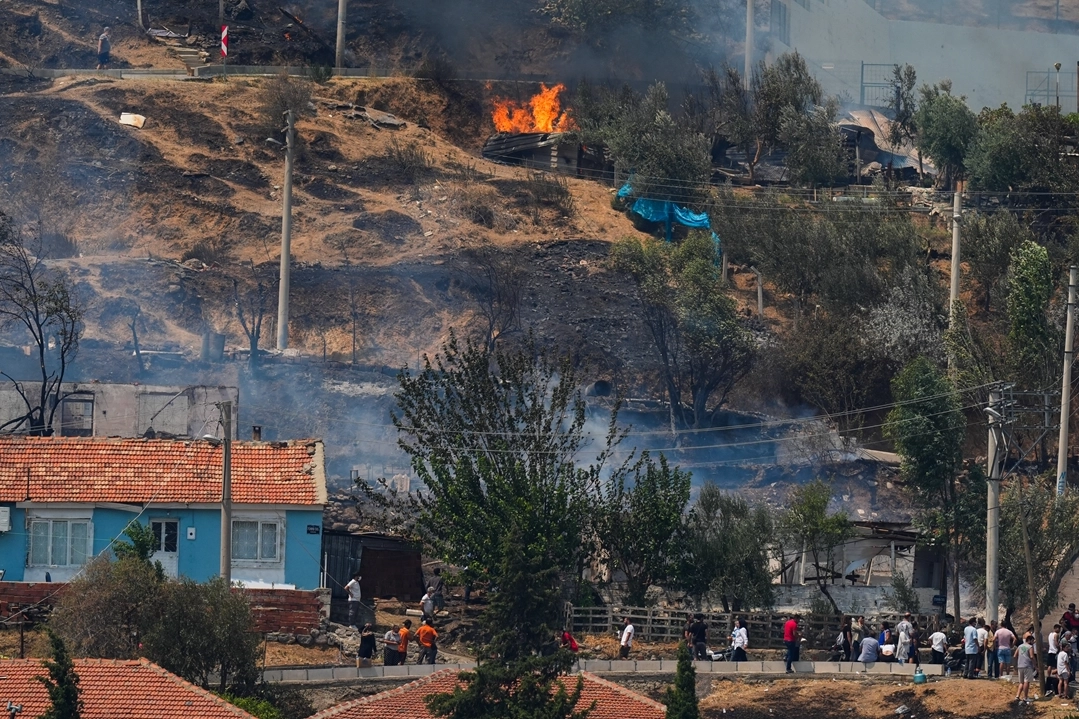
(295, 675)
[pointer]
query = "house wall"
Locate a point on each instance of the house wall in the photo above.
(988, 65)
(198, 558)
(124, 410)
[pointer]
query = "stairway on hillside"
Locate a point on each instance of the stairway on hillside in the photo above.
(191, 57)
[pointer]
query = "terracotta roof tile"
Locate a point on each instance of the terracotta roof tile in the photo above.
(109, 688)
(135, 470)
(612, 700)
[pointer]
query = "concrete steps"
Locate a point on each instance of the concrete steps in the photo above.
(191, 57)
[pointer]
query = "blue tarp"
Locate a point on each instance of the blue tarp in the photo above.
(668, 213)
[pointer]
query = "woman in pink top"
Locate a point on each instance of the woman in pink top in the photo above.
(1005, 642)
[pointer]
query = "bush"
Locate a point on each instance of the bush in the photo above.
(903, 597)
(320, 74)
(410, 161)
(279, 94)
(211, 252)
(439, 69)
(551, 190)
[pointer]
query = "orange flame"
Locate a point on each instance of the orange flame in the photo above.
(288, 37)
(542, 113)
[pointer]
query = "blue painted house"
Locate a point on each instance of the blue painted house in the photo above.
(64, 500)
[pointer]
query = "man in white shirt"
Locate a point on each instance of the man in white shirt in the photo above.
(626, 642)
(427, 604)
(353, 589)
(983, 643)
(938, 646)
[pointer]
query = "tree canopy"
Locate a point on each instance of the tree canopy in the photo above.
(945, 128)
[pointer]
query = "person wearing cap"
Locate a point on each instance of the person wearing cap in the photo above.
(104, 47)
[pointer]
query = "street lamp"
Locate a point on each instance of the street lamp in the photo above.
(1057, 66)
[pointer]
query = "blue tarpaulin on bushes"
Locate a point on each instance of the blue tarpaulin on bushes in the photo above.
(668, 213)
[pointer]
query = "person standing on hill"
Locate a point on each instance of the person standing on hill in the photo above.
(389, 650)
(402, 646)
(439, 585)
(104, 47)
(626, 643)
(1027, 664)
(354, 595)
(426, 636)
(698, 634)
(792, 639)
(970, 649)
(739, 640)
(938, 646)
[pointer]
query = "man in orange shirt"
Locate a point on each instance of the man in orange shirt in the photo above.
(426, 636)
(402, 647)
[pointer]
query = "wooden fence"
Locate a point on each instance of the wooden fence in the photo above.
(658, 624)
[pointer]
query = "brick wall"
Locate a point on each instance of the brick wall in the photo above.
(289, 611)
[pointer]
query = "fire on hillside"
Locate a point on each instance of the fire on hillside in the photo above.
(541, 113)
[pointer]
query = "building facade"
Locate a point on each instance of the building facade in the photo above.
(64, 501)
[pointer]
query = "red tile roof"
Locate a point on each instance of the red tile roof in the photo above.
(94, 469)
(612, 700)
(110, 688)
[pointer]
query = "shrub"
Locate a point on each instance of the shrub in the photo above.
(551, 190)
(438, 68)
(211, 252)
(410, 161)
(279, 94)
(320, 74)
(903, 597)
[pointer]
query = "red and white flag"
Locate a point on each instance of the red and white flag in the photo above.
(224, 40)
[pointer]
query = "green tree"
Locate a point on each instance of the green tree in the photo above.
(946, 127)
(927, 428)
(1022, 152)
(681, 698)
(640, 522)
(904, 107)
(725, 549)
(988, 242)
(753, 120)
(109, 608)
(815, 154)
(702, 347)
(205, 629)
(807, 526)
(1030, 336)
(495, 439)
(668, 158)
(62, 683)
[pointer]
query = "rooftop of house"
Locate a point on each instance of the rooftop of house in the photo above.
(109, 688)
(161, 471)
(611, 700)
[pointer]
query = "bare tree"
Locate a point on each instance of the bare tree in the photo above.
(250, 310)
(40, 304)
(495, 281)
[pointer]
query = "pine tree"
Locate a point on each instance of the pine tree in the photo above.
(62, 684)
(682, 696)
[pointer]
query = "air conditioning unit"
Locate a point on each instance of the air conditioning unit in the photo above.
(5, 519)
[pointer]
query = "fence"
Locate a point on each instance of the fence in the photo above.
(658, 624)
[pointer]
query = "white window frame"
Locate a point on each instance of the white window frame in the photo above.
(263, 519)
(31, 520)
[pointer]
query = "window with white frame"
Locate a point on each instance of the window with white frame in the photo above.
(59, 542)
(256, 540)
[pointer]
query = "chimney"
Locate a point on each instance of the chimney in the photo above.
(256, 432)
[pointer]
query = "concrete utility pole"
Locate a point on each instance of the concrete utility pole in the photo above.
(138, 9)
(1066, 384)
(992, 518)
(749, 45)
(226, 493)
(220, 12)
(1057, 66)
(957, 214)
(286, 237)
(342, 9)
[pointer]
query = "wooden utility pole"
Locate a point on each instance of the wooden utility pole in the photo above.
(1066, 384)
(286, 236)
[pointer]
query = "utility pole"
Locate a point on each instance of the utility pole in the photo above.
(220, 12)
(138, 9)
(286, 236)
(226, 493)
(992, 517)
(957, 214)
(1066, 384)
(1057, 66)
(342, 9)
(749, 45)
